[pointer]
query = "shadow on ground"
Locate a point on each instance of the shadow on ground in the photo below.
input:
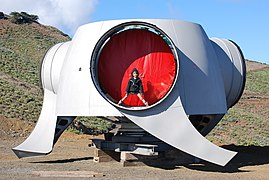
(247, 156)
(64, 160)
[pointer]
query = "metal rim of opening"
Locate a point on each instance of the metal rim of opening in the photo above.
(120, 28)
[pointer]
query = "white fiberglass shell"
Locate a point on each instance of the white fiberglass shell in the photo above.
(201, 87)
(51, 66)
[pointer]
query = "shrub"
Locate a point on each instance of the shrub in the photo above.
(22, 18)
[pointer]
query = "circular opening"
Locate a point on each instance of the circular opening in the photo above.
(138, 46)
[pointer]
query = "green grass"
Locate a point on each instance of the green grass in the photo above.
(95, 123)
(241, 127)
(29, 42)
(72, 130)
(19, 67)
(17, 103)
(258, 81)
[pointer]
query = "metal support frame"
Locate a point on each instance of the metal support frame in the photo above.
(130, 138)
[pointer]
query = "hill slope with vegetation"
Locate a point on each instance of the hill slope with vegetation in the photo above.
(247, 123)
(23, 44)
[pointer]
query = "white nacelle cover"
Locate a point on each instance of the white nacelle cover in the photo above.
(200, 83)
(199, 88)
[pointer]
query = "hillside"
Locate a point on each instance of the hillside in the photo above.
(23, 46)
(247, 123)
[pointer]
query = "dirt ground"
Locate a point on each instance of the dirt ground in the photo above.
(71, 153)
(253, 66)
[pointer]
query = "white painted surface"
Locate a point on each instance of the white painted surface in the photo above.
(41, 139)
(201, 90)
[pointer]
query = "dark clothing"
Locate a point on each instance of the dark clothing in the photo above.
(134, 86)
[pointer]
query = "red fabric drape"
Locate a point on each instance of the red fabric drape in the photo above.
(140, 49)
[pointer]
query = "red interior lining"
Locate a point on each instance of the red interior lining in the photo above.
(143, 50)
